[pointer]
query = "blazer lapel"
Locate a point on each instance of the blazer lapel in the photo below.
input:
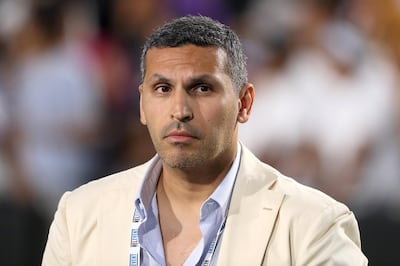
(253, 211)
(114, 222)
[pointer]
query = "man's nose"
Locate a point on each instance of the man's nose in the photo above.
(181, 109)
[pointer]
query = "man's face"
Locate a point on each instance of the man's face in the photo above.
(189, 106)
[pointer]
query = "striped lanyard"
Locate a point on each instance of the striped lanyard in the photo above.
(135, 249)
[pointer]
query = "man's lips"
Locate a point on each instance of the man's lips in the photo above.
(178, 132)
(180, 136)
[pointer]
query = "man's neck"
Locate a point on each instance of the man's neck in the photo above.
(193, 186)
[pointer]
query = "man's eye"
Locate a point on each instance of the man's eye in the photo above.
(202, 88)
(162, 89)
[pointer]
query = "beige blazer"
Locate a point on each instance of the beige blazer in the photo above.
(272, 220)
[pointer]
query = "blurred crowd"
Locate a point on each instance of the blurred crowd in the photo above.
(327, 108)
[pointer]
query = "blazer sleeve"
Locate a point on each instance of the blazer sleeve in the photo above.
(57, 251)
(332, 238)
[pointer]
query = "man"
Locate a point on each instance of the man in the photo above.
(204, 199)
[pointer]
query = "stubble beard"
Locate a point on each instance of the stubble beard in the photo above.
(182, 156)
(181, 159)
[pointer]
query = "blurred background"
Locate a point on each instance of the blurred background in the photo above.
(327, 104)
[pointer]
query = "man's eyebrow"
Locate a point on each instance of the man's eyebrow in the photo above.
(205, 79)
(202, 79)
(158, 78)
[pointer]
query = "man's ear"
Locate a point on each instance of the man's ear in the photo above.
(246, 99)
(142, 116)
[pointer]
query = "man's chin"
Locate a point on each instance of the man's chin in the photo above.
(183, 162)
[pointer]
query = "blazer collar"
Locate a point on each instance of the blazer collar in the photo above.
(252, 214)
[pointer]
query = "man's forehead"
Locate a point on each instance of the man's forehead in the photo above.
(207, 59)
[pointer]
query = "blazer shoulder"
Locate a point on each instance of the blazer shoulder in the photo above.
(89, 216)
(129, 179)
(298, 197)
(315, 221)
(262, 177)
(305, 198)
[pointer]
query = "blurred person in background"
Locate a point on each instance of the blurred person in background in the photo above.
(4, 113)
(55, 111)
(17, 221)
(318, 101)
(6, 208)
(56, 106)
(327, 99)
(378, 197)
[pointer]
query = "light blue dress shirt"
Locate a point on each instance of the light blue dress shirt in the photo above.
(212, 214)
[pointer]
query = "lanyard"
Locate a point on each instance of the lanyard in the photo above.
(214, 243)
(135, 249)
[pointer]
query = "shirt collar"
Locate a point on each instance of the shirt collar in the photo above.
(223, 192)
(148, 186)
(221, 195)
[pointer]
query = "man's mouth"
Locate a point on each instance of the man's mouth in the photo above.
(180, 136)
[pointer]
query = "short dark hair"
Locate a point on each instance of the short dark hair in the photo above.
(201, 31)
